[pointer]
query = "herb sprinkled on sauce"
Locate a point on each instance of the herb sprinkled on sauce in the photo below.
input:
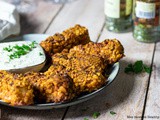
(40, 53)
(18, 51)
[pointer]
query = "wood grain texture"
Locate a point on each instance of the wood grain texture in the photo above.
(126, 94)
(88, 13)
(8, 113)
(35, 21)
(152, 106)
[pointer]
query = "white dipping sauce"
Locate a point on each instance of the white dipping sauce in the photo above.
(34, 57)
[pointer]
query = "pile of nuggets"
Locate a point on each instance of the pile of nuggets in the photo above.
(77, 66)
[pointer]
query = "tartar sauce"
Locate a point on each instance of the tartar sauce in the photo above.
(32, 57)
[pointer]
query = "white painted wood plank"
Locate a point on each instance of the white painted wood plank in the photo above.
(88, 13)
(35, 21)
(126, 94)
(153, 99)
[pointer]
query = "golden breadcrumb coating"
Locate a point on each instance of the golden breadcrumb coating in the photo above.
(66, 40)
(58, 88)
(51, 88)
(85, 70)
(85, 64)
(15, 90)
(110, 50)
(18, 89)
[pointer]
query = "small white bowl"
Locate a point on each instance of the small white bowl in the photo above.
(25, 39)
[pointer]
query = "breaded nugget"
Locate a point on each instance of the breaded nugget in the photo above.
(55, 69)
(18, 89)
(110, 50)
(85, 70)
(66, 40)
(51, 87)
(85, 64)
(15, 90)
(58, 88)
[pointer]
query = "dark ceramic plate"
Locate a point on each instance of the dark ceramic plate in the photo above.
(112, 72)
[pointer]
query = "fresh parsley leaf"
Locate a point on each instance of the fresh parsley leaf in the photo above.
(96, 115)
(138, 66)
(112, 113)
(129, 68)
(147, 69)
(86, 119)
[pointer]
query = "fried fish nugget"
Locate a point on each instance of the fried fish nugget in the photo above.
(66, 40)
(15, 90)
(85, 70)
(110, 50)
(51, 87)
(58, 88)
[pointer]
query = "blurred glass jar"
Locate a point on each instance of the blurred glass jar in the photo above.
(118, 15)
(146, 18)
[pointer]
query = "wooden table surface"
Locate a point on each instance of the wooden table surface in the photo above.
(130, 96)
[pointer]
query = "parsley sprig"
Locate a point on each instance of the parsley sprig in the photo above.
(96, 115)
(137, 67)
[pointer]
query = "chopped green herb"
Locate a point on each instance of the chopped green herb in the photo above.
(96, 115)
(112, 113)
(129, 68)
(18, 51)
(137, 67)
(86, 119)
(147, 69)
(40, 53)
(32, 45)
(8, 49)
(26, 47)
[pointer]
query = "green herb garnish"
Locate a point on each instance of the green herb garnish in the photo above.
(86, 119)
(147, 69)
(32, 45)
(96, 115)
(40, 54)
(8, 49)
(137, 67)
(112, 113)
(18, 51)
